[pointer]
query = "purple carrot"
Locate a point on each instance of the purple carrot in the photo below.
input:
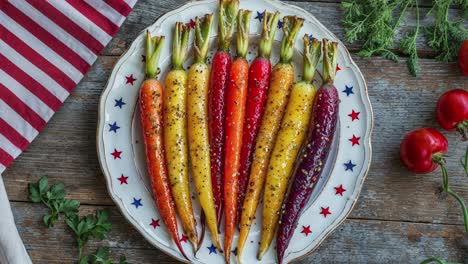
(315, 152)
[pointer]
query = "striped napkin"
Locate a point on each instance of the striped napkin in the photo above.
(46, 47)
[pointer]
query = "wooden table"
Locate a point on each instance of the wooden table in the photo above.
(400, 217)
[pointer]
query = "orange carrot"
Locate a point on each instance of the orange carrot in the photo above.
(236, 97)
(151, 114)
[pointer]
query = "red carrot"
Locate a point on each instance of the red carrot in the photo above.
(236, 97)
(259, 81)
(220, 69)
(151, 114)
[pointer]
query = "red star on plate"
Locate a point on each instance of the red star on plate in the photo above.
(355, 140)
(154, 223)
(340, 190)
(354, 115)
(130, 79)
(325, 211)
(338, 68)
(116, 154)
(191, 23)
(123, 179)
(183, 238)
(306, 230)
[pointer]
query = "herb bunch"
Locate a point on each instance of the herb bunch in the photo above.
(376, 23)
(96, 226)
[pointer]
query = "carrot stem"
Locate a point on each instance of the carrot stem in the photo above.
(312, 54)
(243, 29)
(153, 50)
(291, 26)
(227, 22)
(202, 37)
(180, 45)
(330, 55)
(270, 22)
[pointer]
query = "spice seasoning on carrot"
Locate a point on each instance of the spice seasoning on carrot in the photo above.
(258, 84)
(220, 68)
(175, 132)
(316, 149)
(236, 97)
(282, 78)
(151, 114)
(197, 120)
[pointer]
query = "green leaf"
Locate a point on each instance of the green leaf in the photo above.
(57, 191)
(34, 194)
(49, 220)
(390, 55)
(43, 185)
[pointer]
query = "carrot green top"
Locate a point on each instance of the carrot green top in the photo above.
(270, 22)
(153, 50)
(179, 45)
(227, 22)
(202, 37)
(243, 29)
(291, 26)
(330, 54)
(312, 54)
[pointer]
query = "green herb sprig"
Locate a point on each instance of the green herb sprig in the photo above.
(375, 24)
(93, 225)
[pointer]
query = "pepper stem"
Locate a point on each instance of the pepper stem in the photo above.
(179, 45)
(227, 22)
(439, 159)
(330, 55)
(202, 37)
(465, 162)
(462, 127)
(312, 54)
(243, 29)
(270, 22)
(153, 50)
(291, 26)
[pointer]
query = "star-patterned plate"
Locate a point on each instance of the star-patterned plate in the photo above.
(122, 157)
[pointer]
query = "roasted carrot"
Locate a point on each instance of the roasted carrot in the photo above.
(236, 97)
(197, 117)
(292, 131)
(259, 80)
(220, 68)
(317, 147)
(282, 78)
(151, 114)
(175, 132)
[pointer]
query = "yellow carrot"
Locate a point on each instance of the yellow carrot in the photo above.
(290, 137)
(282, 78)
(175, 133)
(197, 116)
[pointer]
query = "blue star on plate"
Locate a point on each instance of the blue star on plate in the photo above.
(212, 249)
(234, 252)
(137, 203)
(259, 16)
(119, 103)
(349, 166)
(311, 37)
(280, 24)
(348, 90)
(113, 127)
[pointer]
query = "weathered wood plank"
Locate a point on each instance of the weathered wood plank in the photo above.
(329, 13)
(66, 151)
(356, 241)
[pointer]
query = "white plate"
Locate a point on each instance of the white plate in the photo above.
(121, 152)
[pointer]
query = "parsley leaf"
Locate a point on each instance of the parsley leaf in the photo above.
(54, 198)
(97, 226)
(102, 257)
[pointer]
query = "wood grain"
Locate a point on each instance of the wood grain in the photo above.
(356, 241)
(399, 215)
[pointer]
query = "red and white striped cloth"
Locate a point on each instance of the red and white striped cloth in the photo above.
(46, 47)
